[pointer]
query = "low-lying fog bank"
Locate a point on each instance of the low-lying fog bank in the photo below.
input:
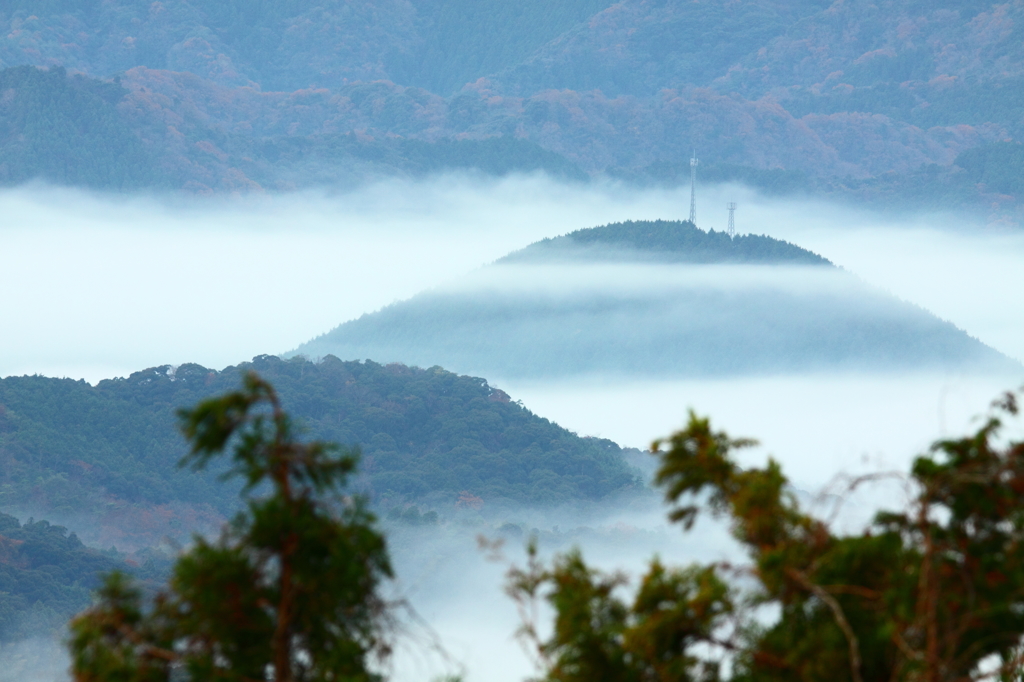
(657, 321)
(97, 287)
(817, 426)
(108, 285)
(40, 659)
(460, 621)
(457, 587)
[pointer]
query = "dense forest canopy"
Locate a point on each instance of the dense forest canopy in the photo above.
(665, 240)
(873, 103)
(438, 45)
(47, 575)
(73, 130)
(109, 453)
(67, 130)
(998, 166)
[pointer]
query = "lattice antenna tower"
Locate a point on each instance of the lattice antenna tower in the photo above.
(693, 187)
(732, 219)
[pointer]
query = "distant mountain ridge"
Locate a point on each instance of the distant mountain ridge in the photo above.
(861, 99)
(657, 299)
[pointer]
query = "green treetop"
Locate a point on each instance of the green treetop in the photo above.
(288, 592)
(932, 593)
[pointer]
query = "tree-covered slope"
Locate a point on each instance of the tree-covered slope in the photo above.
(109, 452)
(998, 167)
(68, 130)
(861, 101)
(160, 130)
(664, 241)
(47, 575)
(463, 40)
(657, 299)
(637, 48)
(439, 45)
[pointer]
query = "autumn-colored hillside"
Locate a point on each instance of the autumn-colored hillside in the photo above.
(871, 99)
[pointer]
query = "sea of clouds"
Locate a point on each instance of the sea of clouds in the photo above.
(95, 286)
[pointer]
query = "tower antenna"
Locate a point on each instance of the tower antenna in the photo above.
(732, 219)
(693, 188)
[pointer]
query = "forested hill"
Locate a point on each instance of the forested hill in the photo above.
(656, 299)
(47, 575)
(872, 101)
(68, 129)
(109, 453)
(664, 240)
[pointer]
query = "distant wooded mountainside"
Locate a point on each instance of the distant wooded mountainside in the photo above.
(867, 101)
(47, 575)
(656, 299)
(67, 130)
(108, 454)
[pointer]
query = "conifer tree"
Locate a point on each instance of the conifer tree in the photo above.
(290, 590)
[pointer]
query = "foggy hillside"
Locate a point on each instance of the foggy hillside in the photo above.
(109, 453)
(658, 299)
(661, 241)
(875, 103)
(47, 575)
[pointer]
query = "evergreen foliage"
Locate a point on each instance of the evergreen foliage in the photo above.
(426, 434)
(665, 240)
(290, 589)
(999, 167)
(925, 593)
(67, 130)
(46, 575)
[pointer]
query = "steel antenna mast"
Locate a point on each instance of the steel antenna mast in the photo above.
(732, 218)
(693, 188)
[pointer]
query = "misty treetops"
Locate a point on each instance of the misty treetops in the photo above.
(933, 592)
(235, 96)
(664, 241)
(659, 299)
(290, 591)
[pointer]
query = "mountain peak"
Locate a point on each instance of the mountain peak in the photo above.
(675, 241)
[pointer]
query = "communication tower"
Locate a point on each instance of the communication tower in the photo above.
(693, 187)
(732, 218)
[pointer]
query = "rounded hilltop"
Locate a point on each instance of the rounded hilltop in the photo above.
(673, 241)
(660, 299)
